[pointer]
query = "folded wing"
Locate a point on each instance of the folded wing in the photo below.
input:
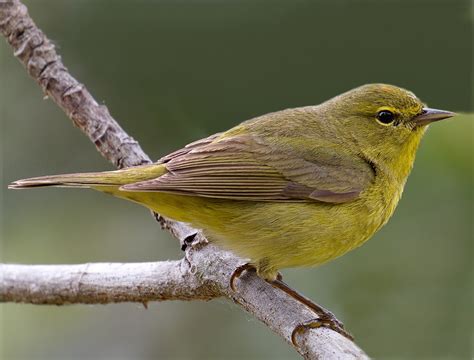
(245, 168)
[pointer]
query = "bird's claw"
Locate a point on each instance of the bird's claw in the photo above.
(238, 272)
(325, 318)
(328, 316)
(247, 267)
(328, 321)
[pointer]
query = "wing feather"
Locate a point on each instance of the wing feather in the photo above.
(245, 168)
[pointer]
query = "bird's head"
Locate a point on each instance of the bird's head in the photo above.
(383, 121)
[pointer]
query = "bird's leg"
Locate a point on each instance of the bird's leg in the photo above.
(325, 317)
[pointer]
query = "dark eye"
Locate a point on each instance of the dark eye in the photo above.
(385, 117)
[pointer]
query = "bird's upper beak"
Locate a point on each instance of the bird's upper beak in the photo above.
(427, 116)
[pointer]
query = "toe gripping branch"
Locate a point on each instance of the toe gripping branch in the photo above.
(325, 317)
(238, 272)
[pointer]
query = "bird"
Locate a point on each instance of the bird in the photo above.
(292, 188)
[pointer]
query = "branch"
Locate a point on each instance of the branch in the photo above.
(100, 283)
(205, 271)
(202, 275)
(37, 53)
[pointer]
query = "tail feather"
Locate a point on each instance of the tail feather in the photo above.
(93, 179)
(85, 180)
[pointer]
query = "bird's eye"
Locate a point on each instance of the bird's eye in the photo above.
(385, 117)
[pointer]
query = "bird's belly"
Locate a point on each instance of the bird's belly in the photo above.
(299, 234)
(276, 233)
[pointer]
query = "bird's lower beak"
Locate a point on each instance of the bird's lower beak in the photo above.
(427, 116)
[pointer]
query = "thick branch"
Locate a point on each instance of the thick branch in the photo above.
(100, 283)
(202, 275)
(205, 271)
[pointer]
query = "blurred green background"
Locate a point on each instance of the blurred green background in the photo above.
(175, 71)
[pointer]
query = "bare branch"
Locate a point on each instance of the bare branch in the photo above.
(38, 54)
(205, 271)
(100, 283)
(202, 275)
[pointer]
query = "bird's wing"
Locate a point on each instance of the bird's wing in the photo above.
(243, 167)
(190, 147)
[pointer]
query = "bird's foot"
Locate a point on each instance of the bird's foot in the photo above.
(325, 317)
(238, 272)
(247, 267)
(328, 321)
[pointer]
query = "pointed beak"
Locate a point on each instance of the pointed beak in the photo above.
(427, 116)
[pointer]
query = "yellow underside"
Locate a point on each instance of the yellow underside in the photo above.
(273, 235)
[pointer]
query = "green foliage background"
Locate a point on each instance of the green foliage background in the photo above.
(175, 71)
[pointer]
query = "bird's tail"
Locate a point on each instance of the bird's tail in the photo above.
(94, 179)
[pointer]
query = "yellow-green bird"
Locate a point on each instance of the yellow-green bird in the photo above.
(297, 187)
